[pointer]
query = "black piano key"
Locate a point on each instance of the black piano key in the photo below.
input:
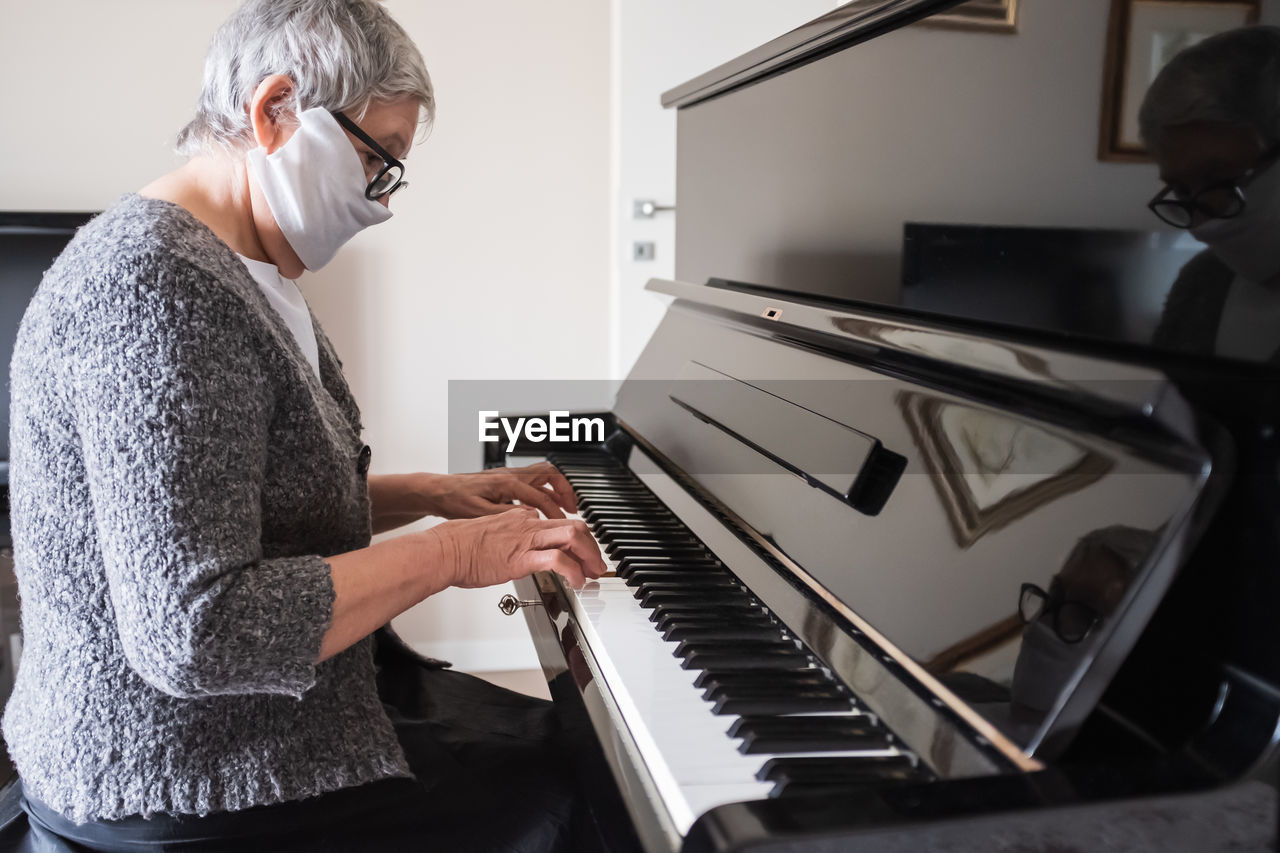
(674, 571)
(729, 658)
(608, 535)
(618, 552)
(637, 535)
(708, 602)
(672, 563)
(642, 527)
(717, 619)
(795, 703)
(677, 633)
(641, 578)
(808, 776)
(728, 609)
(627, 565)
(611, 489)
(602, 510)
(693, 582)
(636, 504)
(784, 680)
(628, 513)
(692, 551)
(694, 597)
(771, 687)
(618, 530)
(653, 540)
(639, 527)
(765, 735)
(691, 548)
(767, 645)
(653, 520)
(616, 488)
(677, 588)
(611, 519)
(829, 724)
(688, 561)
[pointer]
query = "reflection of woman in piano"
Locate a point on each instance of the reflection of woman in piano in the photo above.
(192, 509)
(1053, 628)
(1212, 121)
(1059, 620)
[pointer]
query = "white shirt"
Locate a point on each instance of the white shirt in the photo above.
(285, 297)
(1250, 324)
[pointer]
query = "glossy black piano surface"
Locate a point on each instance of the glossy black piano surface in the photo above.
(923, 557)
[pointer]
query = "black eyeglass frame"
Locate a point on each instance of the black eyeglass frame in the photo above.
(388, 162)
(1052, 603)
(1191, 206)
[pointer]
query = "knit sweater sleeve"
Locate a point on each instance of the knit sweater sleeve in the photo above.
(173, 407)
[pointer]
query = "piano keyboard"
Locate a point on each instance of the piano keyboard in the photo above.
(724, 704)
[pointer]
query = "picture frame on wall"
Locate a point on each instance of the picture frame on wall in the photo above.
(1142, 36)
(997, 16)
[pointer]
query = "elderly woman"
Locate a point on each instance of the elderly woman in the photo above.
(1212, 121)
(191, 506)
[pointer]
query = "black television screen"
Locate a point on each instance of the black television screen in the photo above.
(29, 242)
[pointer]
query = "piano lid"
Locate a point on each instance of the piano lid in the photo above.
(1005, 518)
(990, 176)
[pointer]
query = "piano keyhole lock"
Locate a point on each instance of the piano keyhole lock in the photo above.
(509, 604)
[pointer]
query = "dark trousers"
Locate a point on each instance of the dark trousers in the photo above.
(491, 777)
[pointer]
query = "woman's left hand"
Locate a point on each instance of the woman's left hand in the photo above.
(489, 492)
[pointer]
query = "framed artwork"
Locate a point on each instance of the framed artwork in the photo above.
(990, 469)
(998, 16)
(1143, 35)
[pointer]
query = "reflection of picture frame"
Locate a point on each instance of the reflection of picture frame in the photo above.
(1142, 37)
(997, 16)
(1033, 466)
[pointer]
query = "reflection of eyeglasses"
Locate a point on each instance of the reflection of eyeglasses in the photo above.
(1072, 620)
(390, 177)
(1225, 200)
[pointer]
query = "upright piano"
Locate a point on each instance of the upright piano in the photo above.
(916, 541)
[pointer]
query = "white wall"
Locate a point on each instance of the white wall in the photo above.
(659, 44)
(495, 265)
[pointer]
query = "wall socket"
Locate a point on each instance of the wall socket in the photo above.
(642, 250)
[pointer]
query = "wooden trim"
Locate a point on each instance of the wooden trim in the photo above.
(977, 16)
(988, 639)
(1115, 71)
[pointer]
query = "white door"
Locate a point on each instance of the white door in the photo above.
(657, 45)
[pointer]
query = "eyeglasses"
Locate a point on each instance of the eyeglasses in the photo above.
(390, 177)
(1071, 620)
(1224, 200)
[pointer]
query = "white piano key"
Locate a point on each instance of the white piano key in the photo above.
(687, 750)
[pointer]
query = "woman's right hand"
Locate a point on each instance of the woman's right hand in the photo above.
(498, 548)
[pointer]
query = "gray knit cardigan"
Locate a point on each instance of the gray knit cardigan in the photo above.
(178, 474)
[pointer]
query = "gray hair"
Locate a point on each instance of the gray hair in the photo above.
(1233, 77)
(340, 54)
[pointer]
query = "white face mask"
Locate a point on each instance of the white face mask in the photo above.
(1044, 667)
(314, 185)
(1250, 243)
